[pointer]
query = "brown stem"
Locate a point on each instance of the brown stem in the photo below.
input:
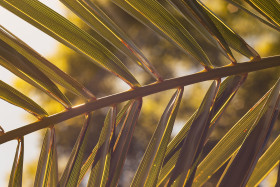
(217, 73)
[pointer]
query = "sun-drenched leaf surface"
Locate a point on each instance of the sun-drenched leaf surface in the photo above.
(227, 90)
(231, 37)
(228, 144)
(194, 8)
(16, 173)
(268, 161)
(22, 67)
(151, 11)
(195, 138)
(47, 165)
(71, 172)
(103, 25)
(122, 143)
(14, 97)
(270, 9)
(240, 168)
(101, 165)
(44, 65)
(276, 27)
(96, 150)
(148, 170)
(69, 34)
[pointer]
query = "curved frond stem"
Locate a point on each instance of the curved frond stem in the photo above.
(212, 74)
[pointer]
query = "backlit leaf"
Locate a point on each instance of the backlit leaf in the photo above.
(101, 165)
(240, 168)
(44, 65)
(154, 15)
(23, 68)
(195, 138)
(58, 27)
(227, 90)
(14, 97)
(103, 25)
(148, 170)
(122, 143)
(228, 144)
(16, 173)
(71, 172)
(270, 9)
(46, 172)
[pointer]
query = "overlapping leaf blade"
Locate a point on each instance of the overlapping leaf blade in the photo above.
(16, 173)
(103, 25)
(195, 9)
(71, 172)
(231, 37)
(47, 169)
(227, 90)
(44, 65)
(151, 163)
(19, 65)
(14, 97)
(195, 139)
(66, 32)
(270, 9)
(241, 167)
(276, 27)
(154, 15)
(227, 146)
(122, 143)
(266, 163)
(100, 167)
(46, 173)
(96, 150)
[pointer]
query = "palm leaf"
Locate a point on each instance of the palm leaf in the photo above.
(66, 32)
(249, 153)
(151, 163)
(99, 170)
(102, 24)
(16, 173)
(158, 18)
(195, 138)
(44, 65)
(14, 97)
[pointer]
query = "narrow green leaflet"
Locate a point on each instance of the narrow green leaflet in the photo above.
(98, 171)
(46, 172)
(88, 164)
(270, 9)
(16, 173)
(103, 25)
(14, 97)
(96, 149)
(44, 65)
(241, 167)
(228, 144)
(151, 12)
(19, 65)
(227, 90)
(195, 138)
(71, 172)
(149, 168)
(58, 27)
(195, 9)
(276, 27)
(268, 161)
(122, 143)
(195, 28)
(232, 38)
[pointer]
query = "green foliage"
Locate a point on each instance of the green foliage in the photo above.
(181, 159)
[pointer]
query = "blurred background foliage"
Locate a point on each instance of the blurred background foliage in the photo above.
(163, 56)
